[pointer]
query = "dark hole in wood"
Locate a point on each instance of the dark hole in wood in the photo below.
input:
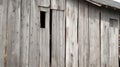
(119, 62)
(42, 19)
(50, 36)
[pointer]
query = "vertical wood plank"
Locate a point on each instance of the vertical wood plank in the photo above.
(94, 36)
(43, 3)
(14, 16)
(83, 34)
(71, 33)
(58, 4)
(113, 35)
(109, 39)
(3, 33)
(58, 38)
(45, 39)
(25, 29)
(113, 40)
(34, 38)
(1, 5)
(104, 39)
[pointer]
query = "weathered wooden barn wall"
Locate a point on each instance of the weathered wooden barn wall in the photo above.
(58, 33)
(1, 47)
(109, 34)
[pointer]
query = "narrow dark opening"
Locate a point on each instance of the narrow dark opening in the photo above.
(50, 37)
(42, 19)
(119, 62)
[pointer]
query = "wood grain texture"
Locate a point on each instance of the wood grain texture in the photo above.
(43, 3)
(25, 35)
(110, 3)
(94, 36)
(79, 35)
(13, 27)
(83, 42)
(3, 33)
(113, 36)
(104, 39)
(45, 39)
(58, 38)
(58, 4)
(71, 33)
(109, 48)
(34, 38)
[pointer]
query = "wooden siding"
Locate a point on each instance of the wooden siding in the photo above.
(104, 40)
(108, 39)
(110, 3)
(83, 41)
(94, 36)
(34, 41)
(3, 35)
(13, 33)
(25, 25)
(58, 39)
(58, 4)
(69, 33)
(43, 3)
(45, 39)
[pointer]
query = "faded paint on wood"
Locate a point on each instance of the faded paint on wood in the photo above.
(25, 29)
(83, 42)
(34, 38)
(45, 39)
(71, 33)
(94, 36)
(13, 27)
(58, 4)
(58, 38)
(43, 3)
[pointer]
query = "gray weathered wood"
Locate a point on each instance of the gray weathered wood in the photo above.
(25, 29)
(45, 39)
(113, 39)
(58, 4)
(43, 3)
(104, 39)
(34, 38)
(94, 36)
(13, 28)
(109, 39)
(58, 38)
(3, 34)
(71, 33)
(110, 3)
(83, 42)
(113, 36)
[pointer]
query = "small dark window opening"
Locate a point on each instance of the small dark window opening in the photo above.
(42, 19)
